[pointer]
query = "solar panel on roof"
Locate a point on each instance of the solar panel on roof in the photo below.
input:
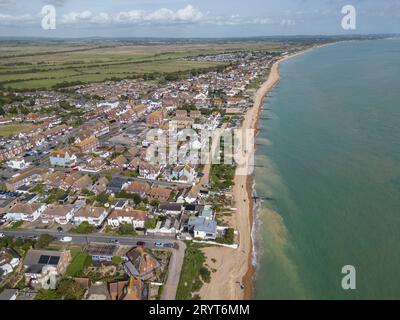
(54, 260)
(43, 259)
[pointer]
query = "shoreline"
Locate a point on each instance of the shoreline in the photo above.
(231, 268)
(263, 91)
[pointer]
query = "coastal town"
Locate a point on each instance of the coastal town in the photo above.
(86, 213)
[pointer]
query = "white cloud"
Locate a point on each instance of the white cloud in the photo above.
(8, 19)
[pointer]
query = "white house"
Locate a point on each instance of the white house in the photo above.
(168, 226)
(25, 212)
(18, 163)
(203, 228)
(61, 214)
(127, 215)
(93, 215)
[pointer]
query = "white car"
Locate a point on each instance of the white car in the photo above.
(66, 239)
(2, 235)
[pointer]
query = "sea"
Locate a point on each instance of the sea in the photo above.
(328, 171)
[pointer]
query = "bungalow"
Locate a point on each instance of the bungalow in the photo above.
(62, 158)
(83, 183)
(138, 187)
(170, 208)
(53, 179)
(69, 181)
(120, 162)
(159, 193)
(100, 185)
(102, 251)
(167, 226)
(128, 215)
(61, 214)
(93, 215)
(25, 212)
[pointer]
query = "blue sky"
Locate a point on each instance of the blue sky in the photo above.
(196, 18)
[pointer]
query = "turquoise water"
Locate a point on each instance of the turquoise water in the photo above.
(331, 151)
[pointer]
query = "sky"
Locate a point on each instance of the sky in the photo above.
(196, 18)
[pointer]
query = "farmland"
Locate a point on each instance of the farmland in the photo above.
(27, 65)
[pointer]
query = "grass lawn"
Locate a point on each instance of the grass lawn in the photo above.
(80, 260)
(193, 269)
(12, 129)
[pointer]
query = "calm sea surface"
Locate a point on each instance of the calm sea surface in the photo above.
(331, 151)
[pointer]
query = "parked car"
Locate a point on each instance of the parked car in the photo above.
(115, 241)
(60, 229)
(66, 239)
(2, 235)
(168, 245)
(141, 243)
(158, 244)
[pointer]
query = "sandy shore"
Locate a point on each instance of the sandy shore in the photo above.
(230, 267)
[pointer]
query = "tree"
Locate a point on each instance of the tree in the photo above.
(43, 241)
(126, 229)
(117, 260)
(69, 289)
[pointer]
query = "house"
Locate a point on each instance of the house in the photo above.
(127, 290)
(202, 228)
(93, 215)
(25, 212)
(102, 251)
(88, 145)
(156, 118)
(170, 208)
(83, 183)
(9, 260)
(9, 294)
(183, 173)
(7, 203)
(127, 215)
(62, 158)
(94, 165)
(159, 193)
(207, 212)
(167, 226)
(141, 263)
(27, 176)
(138, 187)
(149, 171)
(69, 181)
(53, 179)
(100, 185)
(43, 267)
(61, 214)
(120, 162)
(116, 184)
(17, 163)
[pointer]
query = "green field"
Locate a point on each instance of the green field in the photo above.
(12, 129)
(43, 65)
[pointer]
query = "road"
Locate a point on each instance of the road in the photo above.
(174, 267)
